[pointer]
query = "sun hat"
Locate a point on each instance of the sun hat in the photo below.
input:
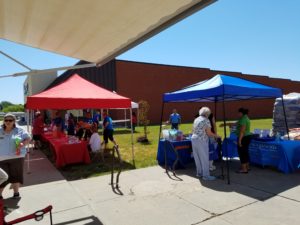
(9, 115)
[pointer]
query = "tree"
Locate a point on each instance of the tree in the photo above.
(14, 108)
(5, 104)
(143, 118)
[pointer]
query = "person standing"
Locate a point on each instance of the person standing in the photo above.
(71, 125)
(244, 138)
(133, 121)
(12, 153)
(67, 115)
(174, 119)
(213, 145)
(108, 132)
(37, 129)
(58, 122)
(200, 143)
(97, 118)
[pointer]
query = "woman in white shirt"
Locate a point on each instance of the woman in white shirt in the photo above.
(95, 142)
(200, 143)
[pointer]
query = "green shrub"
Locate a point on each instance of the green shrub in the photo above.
(14, 108)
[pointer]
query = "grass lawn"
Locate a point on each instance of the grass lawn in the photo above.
(145, 154)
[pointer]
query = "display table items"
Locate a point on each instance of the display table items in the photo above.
(67, 150)
(282, 154)
(178, 153)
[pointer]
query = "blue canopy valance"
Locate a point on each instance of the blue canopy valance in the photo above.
(222, 88)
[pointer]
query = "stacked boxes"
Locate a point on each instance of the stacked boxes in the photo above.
(292, 109)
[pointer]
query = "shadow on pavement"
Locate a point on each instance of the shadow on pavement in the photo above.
(90, 220)
(10, 204)
(260, 183)
(38, 169)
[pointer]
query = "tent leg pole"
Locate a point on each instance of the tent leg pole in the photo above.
(215, 109)
(161, 118)
(27, 120)
(132, 147)
(284, 113)
(219, 144)
(159, 134)
(125, 118)
(30, 143)
(225, 136)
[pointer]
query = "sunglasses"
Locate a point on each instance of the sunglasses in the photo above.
(8, 121)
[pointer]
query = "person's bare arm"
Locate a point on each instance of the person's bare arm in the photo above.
(214, 125)
(228, 124)
(241, 134)
(24, 142)
(210, 134)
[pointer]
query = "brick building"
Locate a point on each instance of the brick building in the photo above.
(147, 81)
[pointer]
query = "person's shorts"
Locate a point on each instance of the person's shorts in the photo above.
(36, 137)
(108, 134)
(174, 126)
(14, 169)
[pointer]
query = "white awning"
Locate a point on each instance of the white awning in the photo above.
(91, 30)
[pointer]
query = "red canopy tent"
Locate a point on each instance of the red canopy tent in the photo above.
(77, 93)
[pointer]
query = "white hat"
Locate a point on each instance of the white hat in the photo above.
(10, 115)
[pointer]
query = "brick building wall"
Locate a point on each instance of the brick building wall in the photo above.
(149, 81)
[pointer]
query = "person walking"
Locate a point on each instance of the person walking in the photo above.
(12, 153)
(200, 143)
(108, 133)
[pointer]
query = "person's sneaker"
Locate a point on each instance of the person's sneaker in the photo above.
(212, 168)
(209, 178)
(198, 175)
(16, 195)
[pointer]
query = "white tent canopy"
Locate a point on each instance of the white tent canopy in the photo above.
(134, 105)
(92, 30)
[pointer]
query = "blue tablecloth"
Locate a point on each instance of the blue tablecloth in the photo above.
(184, 149)
(283, 154)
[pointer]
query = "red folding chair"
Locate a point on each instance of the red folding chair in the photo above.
(37, 216)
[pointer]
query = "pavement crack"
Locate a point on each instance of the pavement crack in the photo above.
(268, 192)
(65, 210)
(205, 210)
(212, 214)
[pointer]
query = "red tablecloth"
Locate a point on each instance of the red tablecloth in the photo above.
(66, 153)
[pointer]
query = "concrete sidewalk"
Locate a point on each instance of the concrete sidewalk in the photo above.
(150, 197)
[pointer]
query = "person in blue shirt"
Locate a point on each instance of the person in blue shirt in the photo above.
(175, 119)
(97, 118)
(108, 132)
(12, 152)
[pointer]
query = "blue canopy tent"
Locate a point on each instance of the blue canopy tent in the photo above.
(223, 88)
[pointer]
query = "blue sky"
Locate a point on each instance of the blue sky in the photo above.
(250, 36)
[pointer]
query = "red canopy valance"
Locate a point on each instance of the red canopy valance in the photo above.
(77, 93)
